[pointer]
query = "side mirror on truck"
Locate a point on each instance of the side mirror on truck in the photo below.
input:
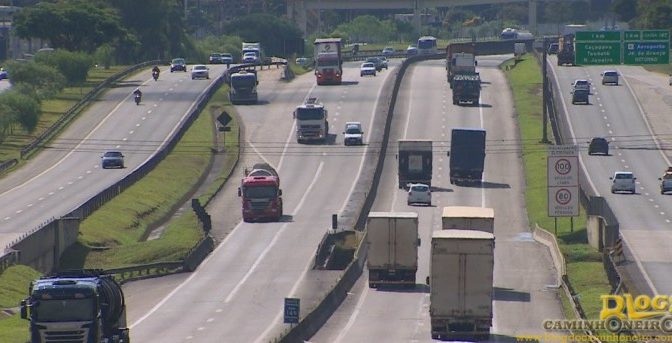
(239, 192)
(279, 191)
(448, 153)
(427, 281)
(24, 310)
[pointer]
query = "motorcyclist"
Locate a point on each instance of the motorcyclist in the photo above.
(138, 95)
(156, 69)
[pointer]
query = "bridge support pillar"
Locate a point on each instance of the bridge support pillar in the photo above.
(532, 8)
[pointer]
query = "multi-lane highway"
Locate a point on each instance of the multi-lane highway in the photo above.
(237, 293)
(523, 269)
(68, 172)
(632, 116)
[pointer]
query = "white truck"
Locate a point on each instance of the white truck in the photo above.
(393, 248)
(460, 281)
(468, 218)
(311, 121)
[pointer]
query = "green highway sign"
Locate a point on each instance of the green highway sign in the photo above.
(598, 53)
(646, 53)
(599, 36)
(646, 35)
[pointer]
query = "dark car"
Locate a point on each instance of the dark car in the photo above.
(3, 74)
(553, 48)
(227, 58)
(215, 58)
(178, 64)
(598, 145)
(112, 159)
(377, 62)
(580, 96)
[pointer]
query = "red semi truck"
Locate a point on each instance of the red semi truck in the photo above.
(328, 61)
(261, 194)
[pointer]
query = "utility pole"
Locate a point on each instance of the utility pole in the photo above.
(545, 94)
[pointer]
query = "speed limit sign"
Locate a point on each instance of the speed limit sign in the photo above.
(563, 181)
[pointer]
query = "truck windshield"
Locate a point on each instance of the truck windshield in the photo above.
(62, 310)
(260, 192)
(309, 113)
(247, 81)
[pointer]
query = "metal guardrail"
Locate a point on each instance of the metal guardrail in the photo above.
(75, 109)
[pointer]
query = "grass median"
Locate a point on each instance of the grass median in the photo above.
(584, 264)
(114, 236)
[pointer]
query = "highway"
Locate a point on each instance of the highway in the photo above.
(237, 293)
(67, 172)
(524, 273)
(634, 118)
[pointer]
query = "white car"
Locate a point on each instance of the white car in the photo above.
(367, 68)
(249, 57)
(200, 71)
(353, 134)
(581, 84)
(419, 193)
(623, 182)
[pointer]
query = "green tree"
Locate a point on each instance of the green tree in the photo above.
(76, 25)
(271, 31)
(74, 66)
(34, 79)
(654, 15)
(368, 29)
(626, 10)
(18, 108)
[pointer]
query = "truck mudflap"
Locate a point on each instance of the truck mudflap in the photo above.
(477, 329)
(466, 177)
(382, 277)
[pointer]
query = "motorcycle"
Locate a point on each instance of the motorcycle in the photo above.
(155, 75)
(138, 98)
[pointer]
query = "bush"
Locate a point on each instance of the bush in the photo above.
(34, 79)
(73, 65)
(18, 108)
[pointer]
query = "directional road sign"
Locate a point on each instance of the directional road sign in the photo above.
(292, 306)
(646, 47)
(588, 53)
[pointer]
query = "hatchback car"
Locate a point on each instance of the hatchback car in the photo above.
(178, 64)
(598, 145)
(419, 193)
(227, 58)
(666, 183)
(553, 48)
(388, 51)
(581, 84)
(580, 96)
(215, 58)
(367, 68)
(353, 134)
(376, 62)
(623, 182)
(112, 159)
(610, 77)
(200, 71)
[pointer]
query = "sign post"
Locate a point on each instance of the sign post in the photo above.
(563, 181)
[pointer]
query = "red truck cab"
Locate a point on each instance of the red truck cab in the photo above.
(261, 194)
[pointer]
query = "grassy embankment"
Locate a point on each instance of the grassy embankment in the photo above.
(584, 266)
(121, 225)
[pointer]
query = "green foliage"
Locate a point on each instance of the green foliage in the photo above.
(210, 44)
(77, 25)
(15, 281)
(73, 65)
(18, 108)
(36, 79)
(626, 10)
(271, 31)
(368, 29)
(104, 55)
(654, 15)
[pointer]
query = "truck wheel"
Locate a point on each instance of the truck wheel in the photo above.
(454, 101)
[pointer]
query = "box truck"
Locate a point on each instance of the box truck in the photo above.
(460, 282)
(393, 248)
(468, 218)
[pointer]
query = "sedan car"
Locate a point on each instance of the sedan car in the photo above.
(215, 58)
(376, 62)
(353, 134)
(666, 183)
(419, 193)
(178, 64)
(200, 71)
(581, 84)
(367, 68)
(383, 61)
(112, 159)
(249, 57)
(388, 51)
(598, 145)
(3, 74)
(623, 182)
(610, 77)
(580, 96)
(227, 58)
(411, 50)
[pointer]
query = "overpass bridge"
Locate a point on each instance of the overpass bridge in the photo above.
(297, 10)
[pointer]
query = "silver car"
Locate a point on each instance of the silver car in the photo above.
(623, 182)
(200, 71)
(419, 193)
(610, 77)
(112, 159)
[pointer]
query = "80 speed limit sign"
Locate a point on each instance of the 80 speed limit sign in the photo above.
(563, 181)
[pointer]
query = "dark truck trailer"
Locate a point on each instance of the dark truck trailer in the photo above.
(415, 162)
(467, 155)
(466, 88)
(566, 53)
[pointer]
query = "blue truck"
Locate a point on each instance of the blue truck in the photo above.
(467, 155)
(84, 306)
